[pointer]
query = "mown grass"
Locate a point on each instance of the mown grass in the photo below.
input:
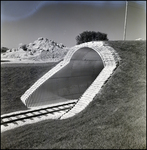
(116, 119)
(15, 80)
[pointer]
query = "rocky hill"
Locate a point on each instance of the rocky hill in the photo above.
(40, 50)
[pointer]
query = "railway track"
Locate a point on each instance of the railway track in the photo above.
(16, 119)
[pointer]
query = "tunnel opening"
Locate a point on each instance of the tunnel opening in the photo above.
(71, 81)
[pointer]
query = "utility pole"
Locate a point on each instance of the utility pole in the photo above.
(125, 23)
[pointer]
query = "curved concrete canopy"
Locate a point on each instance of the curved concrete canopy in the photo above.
(71, 81)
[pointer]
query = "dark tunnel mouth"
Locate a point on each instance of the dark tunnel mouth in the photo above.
(88, 50)
(71, 81)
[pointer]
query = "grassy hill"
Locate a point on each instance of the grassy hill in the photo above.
(15, 80)
(116, 119)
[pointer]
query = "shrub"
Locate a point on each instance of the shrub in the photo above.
(24, 47)
(88, 36)
(4, 49)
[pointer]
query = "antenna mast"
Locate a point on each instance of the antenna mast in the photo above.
(125, 23)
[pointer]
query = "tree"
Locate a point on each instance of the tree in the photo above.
(88, 36)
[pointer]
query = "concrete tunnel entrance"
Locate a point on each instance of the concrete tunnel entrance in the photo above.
(71, 81)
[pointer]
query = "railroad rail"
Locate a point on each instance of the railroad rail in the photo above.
(16, 119)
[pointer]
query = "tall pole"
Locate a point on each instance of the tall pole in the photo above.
(125, 23)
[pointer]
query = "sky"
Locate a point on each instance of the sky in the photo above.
(61, 21)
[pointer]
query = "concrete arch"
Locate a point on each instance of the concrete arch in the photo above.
(109, 60)
(71, 81)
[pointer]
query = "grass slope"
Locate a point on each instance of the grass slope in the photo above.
(116, 119)
(15, 80)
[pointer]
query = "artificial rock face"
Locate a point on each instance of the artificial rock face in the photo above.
(40, 49)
